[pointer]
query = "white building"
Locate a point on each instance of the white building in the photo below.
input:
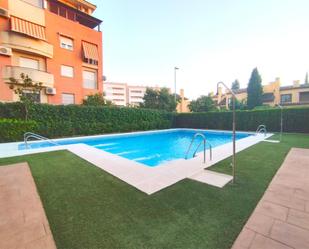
(123, 94)
(116, 92)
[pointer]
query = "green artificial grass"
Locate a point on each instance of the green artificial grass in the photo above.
(88, 209)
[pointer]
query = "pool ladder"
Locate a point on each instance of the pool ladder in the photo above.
(204, 141)
(261, 128)
(28, 135)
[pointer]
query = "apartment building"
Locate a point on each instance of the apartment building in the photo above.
(273, 94)
(123, 94)
(55, 42)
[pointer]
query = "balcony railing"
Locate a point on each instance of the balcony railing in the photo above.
(73, 14)
(37, 76)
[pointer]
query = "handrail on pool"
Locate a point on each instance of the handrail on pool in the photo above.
(204, 141)
(261, 128)
(28, 135)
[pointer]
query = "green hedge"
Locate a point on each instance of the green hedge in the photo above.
(60, 121)
(294, 120)
(13, 129)
(73, 120)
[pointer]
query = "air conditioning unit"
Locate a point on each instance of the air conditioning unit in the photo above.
(5, 51)
(50, 91)
(4, 12)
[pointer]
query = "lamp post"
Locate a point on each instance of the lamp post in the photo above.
(281, 121)
(234, 128)
(175, 69)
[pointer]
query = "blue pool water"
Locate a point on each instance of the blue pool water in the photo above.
(150, 148)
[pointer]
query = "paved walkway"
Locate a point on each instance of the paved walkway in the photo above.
(23, 224)
(281, 218)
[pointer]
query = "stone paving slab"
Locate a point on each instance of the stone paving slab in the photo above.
(212, 178)
(23, 223)
(281, 218)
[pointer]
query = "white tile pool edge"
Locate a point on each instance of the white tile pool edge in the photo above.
(146, 179)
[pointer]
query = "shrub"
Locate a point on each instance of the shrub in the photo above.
(60, 121)
(13, 129)
(294, 120)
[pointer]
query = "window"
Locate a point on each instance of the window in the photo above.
(31, 95)
(90, 79)
(53, 7)
(71, 15)
(91, 61)
(62, 12)
(29, 63)
(66, 43)
(90, 53)
(67, 71)
(68, 98)
(286, 98)
(37, 3)
(304, 97)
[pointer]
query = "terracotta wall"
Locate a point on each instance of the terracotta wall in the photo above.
(56, 26)
(6, 94)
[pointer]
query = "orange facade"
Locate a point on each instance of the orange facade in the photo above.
(57, 46)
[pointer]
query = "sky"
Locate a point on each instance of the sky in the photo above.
(208, 40)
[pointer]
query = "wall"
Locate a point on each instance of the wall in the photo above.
(6, 94)
(57, 25)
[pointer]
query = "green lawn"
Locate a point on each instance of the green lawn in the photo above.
(88, 208)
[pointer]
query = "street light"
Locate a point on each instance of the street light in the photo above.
(234, 128)
(175, 69)
(281, 121)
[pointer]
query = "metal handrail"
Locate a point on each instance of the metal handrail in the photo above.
(210, 149)
(28, 135)
(261, 128)
(204, 143)
(234, 128)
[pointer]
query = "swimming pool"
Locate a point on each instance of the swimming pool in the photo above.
(149, 148)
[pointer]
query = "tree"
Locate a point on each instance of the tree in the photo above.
(97, 100)
(306, 79)
(202, 104)
(27, 91)
(255, 90)
(235, 85)
(159, 99)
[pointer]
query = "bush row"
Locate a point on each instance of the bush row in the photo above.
(13, 130)
(294, 120)
(60, 121)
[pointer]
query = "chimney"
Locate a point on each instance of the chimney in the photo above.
(296, 83)
(182, 94)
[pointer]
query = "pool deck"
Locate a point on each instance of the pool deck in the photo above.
(23, 223)
(152, 179)
(149, 179)
(281, 218)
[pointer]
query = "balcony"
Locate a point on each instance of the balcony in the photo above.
(37, 76)
(75, 15)
(21, 9)
(27, 44)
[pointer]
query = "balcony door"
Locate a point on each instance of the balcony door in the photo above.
(28, 63)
